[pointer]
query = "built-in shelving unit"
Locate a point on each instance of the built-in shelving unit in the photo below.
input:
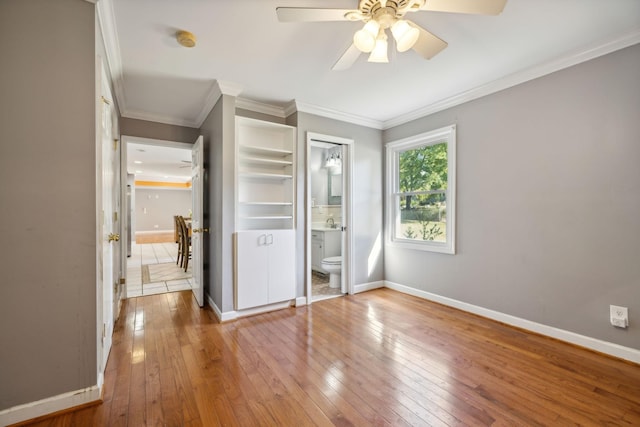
(266, 171)
(264, 267)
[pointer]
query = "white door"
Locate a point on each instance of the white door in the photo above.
(108, 228)
(251, 269)
(197, 229)
(281, 245)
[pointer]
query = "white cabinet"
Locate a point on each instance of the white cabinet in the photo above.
(264, 267)
(265, 188)
(324, 244)
(265, 252)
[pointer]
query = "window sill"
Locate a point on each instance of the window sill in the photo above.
(443, 248)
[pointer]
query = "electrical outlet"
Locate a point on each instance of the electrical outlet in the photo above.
(619, 316)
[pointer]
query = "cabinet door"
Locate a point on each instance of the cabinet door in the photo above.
(282, 265)
(251, 269)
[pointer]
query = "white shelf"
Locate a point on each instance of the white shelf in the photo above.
(265, 185)
(266, 203)
(265, 151)
(261, 161)
(262, 175)
(263, 217)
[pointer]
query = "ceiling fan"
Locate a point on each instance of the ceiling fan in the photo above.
(380, 15)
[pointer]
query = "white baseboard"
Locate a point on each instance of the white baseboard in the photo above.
(363, 287)
(233, 315)
(49, 405)
(222, 317)
(263, 309)
(142, 233)
(300, 301)
(605, 347)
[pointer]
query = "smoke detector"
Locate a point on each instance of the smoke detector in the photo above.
(186, 39)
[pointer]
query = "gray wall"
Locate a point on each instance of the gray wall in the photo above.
(48, 199)
(218, 131)
(548, 201)
(161, 205)
(161, 131)
(367, 195)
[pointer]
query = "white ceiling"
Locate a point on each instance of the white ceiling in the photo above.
(242, 44)
(152, 162)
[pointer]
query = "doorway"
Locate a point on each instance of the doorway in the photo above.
(158, 178)
(328, 263)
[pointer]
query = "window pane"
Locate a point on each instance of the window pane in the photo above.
(423, 168)
(422, 217)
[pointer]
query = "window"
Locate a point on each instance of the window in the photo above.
(421, 191)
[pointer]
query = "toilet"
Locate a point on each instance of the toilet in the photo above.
(333, 265)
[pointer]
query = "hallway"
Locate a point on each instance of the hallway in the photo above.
(152, 269)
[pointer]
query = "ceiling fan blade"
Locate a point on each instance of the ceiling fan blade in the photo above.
(306, 14)
(347, 59)
(479, 7)
(427, 45)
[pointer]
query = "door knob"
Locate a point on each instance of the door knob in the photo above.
(114, 237)
(200, 230)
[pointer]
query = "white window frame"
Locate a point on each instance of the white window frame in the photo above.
(443, 135)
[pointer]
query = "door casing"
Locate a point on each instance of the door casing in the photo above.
(347, 201)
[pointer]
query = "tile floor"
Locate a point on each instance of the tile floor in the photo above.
(155, 253)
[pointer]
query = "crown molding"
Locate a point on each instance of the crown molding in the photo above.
(520, 77)
(290, 108)
(338, 115)
(159, 118)
(229, 88)
(260, 107)
(218, 89)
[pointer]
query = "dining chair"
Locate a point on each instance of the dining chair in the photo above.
(180, 240)
(186, 243)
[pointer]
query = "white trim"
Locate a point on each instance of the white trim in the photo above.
(338, 115)
(260, 107)
(222, 317)
(263, 309)
(347, 208)
(218, 89)
(448, 134)
(50, 405)
(107, 21)
(605, 347)
(566, 61)
(290, 109)
(152, 117)
(300, 301)
(210, 101)
(233, 315)
(363, 287)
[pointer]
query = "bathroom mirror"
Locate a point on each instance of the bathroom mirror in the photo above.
(335, 188)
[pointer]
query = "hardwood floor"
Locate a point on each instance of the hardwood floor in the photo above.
(158, 237)
(380, 358)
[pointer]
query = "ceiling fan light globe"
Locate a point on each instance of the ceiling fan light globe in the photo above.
(379, 52)
(365, 39)
(405, 35)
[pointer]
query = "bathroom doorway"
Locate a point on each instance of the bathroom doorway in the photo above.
(328, 216)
